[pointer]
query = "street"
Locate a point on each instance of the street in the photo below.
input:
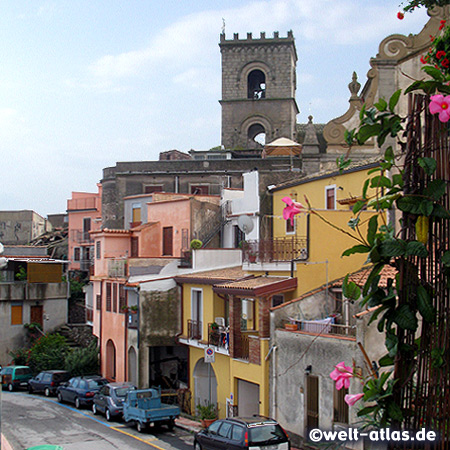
(29, 420)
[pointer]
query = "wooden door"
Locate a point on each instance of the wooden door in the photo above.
(37, 315)
(312, 402)
(168, 241)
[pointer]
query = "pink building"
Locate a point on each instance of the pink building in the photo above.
(171, 225)
(85, 213)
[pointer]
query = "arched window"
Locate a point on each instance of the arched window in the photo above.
(256, 136)
(256, 87)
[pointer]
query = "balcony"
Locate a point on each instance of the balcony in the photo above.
(275, 250)
(324, 327)
(80, 237)
(117, 268)
(218, 337)
(194, 329)
(82, 204)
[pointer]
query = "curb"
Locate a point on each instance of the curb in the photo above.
(5, 444)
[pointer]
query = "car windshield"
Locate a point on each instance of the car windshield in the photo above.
(266, 433)
(122, 391)
(94, 384)
(23, 371)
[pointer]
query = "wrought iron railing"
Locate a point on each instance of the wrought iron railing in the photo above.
(80, 237)
(194, 329)
(217, 336)
(244, 351)
(276, 250)
(319, 327)
(117, 268)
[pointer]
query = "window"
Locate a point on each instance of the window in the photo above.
(277, 300)
(114, 299)
(136, 212)
(134, 247)
(199, 189)
(196, 313)
(98, 250)
(149, 189)
(76, 254)
(86, 228)
(16, 313)
(330, 197)
(224, 429)
(290, 226)
(122, 297)
(237, 433)
(108, 296)
(340, 409)
(214, 427)
(248, 314)
(98, 303)
(256, 85)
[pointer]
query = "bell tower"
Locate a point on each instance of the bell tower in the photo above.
(258, 90)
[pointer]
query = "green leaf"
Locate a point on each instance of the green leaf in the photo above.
(416, 248)
(397, 180)
(391, 343)
(415, 86)
(380, 181)
(410, 203)
(372, 230)
(394, 411)
(435, 189)
(424, 304)
(440, 212)
(368, 131)
(429, 165)
(381, 105)
(365, 187)
(356, 249)
(433, 72)
(426, 207)
(405, 318)
(358, 206)
(393, 248)
(350, 289)
(446, 258)
(373, 274)
(394, 100)
(367, 410)
(386, 361)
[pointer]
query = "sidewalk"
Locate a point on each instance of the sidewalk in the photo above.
(5, 444)
(193, 426)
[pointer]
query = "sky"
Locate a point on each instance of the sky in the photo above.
(87, 83)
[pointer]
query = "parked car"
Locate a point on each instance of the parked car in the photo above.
(48, 381)
(109, 399)
(15, 377)
(80, 390)
(242, 433)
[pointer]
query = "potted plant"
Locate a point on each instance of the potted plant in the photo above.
(207, 414)
(251, 256)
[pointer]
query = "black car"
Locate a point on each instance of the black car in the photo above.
(80, 390)
(109, 399)
(242, 433)
(48, 381)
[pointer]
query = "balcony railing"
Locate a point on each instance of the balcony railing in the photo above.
(244, 351)
(319, 327)
(194, 329)
(117, 268)
(80, 237)
(82, 203)
(276, 250)
(218, 337)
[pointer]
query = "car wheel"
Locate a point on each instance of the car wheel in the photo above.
(47, 392)
(30, 390)
(108, 415)
(140, 427)
(197, 446)
(10, 387)
(60, 399)
(94, 408)
(171, 424)
(77, 403)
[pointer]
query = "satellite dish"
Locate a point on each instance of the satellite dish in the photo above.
(245, 224)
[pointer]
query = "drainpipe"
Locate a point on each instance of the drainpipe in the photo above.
(100, 326)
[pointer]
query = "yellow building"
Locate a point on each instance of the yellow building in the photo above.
(228, 310)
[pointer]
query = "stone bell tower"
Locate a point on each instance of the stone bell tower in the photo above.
(258, 90)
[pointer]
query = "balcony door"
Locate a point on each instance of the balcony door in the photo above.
(197, 311)
(37, 315)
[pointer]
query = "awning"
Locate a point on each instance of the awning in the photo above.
(257, 286)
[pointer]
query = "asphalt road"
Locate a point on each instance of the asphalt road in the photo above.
(29, 420)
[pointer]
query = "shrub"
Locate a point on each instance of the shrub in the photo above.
(196, 244)
(83, 361)
(48, 352)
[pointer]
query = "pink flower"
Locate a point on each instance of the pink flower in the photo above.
(352, 399)
(342, 374)
(291, 209)
(440, 104)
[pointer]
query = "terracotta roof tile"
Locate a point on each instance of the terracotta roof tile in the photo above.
(227, 274)
(252, 283)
